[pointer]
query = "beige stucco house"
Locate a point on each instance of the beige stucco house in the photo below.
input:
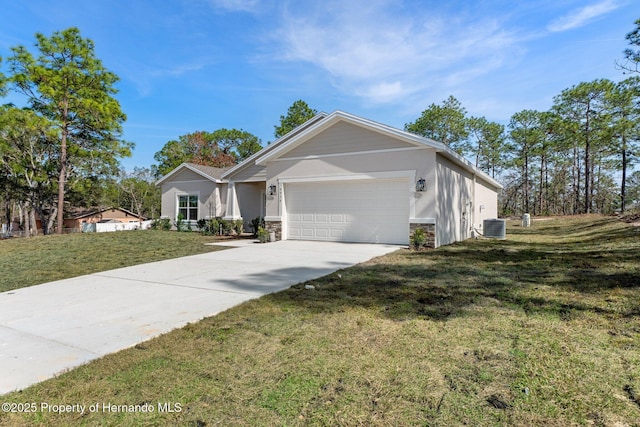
(341, 177)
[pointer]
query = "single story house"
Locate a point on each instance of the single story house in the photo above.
(109, 214)
(341, 177)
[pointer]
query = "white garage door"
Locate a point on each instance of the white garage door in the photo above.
(372, 210)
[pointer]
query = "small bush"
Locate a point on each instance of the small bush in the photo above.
(181, 224)
(263, 235)
(256, 223)
(210, 227)
(419, 239)
(227, 227)
(238, 226)
(213, 228)
(163, 224)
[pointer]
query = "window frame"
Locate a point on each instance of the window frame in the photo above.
(191, 208)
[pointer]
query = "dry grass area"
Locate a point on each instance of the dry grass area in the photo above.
(541, 329)
(31, 261)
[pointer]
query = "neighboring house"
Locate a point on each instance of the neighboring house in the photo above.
(341, 177)
(92, 216)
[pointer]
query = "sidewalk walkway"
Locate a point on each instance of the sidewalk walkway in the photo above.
(53, 327)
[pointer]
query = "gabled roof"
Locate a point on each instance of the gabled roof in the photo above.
(208, 172)
(285, 145)
(291, 134)
(338, 116)
(95, 211)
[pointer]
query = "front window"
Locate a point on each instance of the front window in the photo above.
(188, 207)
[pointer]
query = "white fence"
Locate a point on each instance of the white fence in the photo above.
(105, 227)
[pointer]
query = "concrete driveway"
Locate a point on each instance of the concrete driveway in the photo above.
(50, 328)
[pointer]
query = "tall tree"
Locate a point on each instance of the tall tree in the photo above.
(583, 108)
(444, 123)
(221, 148)
(632, 55)
(297, 114)
(548, 153)
(525, 134)
(633, 194)
(239, 144)
(487, 143)
(624, 108)
(139, 193)
(3, 82)
(68, 85)
(28, 165)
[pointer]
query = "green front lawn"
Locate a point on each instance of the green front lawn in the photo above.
(26, 262)
(541, 329)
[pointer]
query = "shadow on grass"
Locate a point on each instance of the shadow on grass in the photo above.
(538, 278)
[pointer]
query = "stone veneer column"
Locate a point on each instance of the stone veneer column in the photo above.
(429, 231)
(274, 226)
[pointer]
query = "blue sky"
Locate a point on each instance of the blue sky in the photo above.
(188, 65)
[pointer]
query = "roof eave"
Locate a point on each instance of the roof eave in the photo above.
(466, 164)
(191, 168)
(338, 116)
(252, 159)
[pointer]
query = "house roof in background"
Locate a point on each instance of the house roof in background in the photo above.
(94, 211)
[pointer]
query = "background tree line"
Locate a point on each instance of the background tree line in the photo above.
(574, 158)
(69, 134)
(61, 151)
(224, 147)
(578, 157)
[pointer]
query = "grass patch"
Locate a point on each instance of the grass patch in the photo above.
(542, 329)
(27, 262)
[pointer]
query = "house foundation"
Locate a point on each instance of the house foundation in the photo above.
(429, 231)
(274, 227)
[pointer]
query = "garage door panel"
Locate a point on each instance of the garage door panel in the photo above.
(353, 211)
(321, 233)
(294, 217)
(336, 218)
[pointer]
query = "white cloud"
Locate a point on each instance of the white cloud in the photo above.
(579, 17)
(371, 50)
(384, 92)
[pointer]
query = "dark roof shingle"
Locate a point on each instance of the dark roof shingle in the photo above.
(210, 170)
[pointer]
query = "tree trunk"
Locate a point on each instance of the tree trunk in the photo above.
(587, 167)
(32, 220)
(623, 185)
(7, 212)
(47, 221)
(526, 183)
(51, 219)
(541, 189)
(61, 183)
(62, 177)
(26, 225)
(575, 175)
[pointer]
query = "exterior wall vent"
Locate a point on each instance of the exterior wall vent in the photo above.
(495, 228)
